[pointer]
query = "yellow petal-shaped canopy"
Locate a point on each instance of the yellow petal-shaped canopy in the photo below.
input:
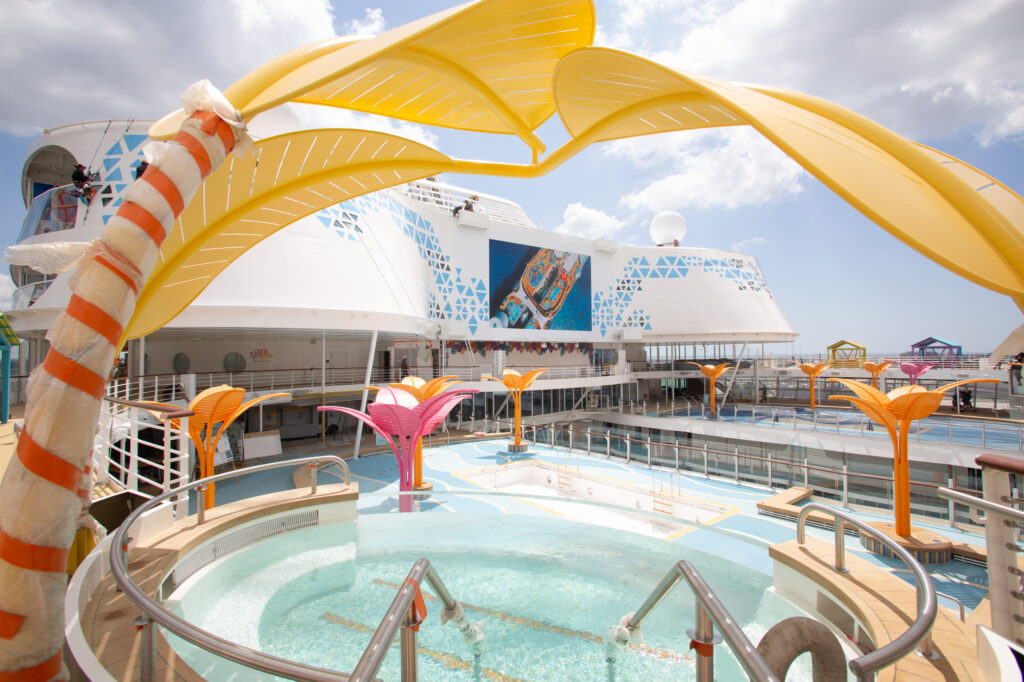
(605, 94)
(876, 367)
(711, 371)
(287, 177)
(530, 377)
(812, 370)
(950, 212)
(483, 66)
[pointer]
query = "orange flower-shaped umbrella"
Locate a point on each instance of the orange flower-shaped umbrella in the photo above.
(217, 404)
(516, 383)
(812, 371)
(711, 372)
(422, 390)
(875, 369)
(895, 411)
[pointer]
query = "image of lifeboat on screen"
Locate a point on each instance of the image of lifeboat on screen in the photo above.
(541, 290)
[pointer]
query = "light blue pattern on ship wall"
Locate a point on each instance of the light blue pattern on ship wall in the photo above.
(117, 171)
(454, 296)
(612, 306)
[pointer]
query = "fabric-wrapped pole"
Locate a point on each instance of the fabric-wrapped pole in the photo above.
(42, 492)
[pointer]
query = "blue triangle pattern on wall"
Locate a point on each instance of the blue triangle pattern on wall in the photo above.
(132, 140)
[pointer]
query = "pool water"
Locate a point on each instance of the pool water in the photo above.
(545, 590)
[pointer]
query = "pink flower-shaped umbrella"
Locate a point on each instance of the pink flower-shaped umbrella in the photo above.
(401, 421)
(914, 369)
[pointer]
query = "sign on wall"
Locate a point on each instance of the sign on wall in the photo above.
(537, 288)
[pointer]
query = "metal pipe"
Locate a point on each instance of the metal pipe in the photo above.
(919, 631)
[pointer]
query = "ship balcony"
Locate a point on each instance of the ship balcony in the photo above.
(55, 210)
(25, 296)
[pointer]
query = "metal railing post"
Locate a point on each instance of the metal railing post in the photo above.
(312, 477)
(807, 474)
(147, 647)
(769, 470)
(736, 463)
(846, 485)
(704, 635)
(629, 449)
(648, 453)
(608, 443)
(840, 543)
(705, 460)
(408, 645)
(200, 504)
(677, 455)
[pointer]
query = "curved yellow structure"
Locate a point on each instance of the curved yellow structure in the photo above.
(813, 371)
(422, 390)
(516, 383)
(711, 373)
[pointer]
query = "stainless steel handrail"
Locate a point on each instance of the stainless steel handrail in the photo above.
(207, 640)
(745, 651)
(399, 615)
(971, 501)
(927, 608)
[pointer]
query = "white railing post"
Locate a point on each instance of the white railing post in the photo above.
(132, 479)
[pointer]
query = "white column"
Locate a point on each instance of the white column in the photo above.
(366, 382)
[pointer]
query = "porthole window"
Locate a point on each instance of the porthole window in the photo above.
(180, 363)
(234, 362)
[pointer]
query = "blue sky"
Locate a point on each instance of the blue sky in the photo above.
(948, 74)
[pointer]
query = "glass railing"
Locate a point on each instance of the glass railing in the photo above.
(25, 296)
(52, 211)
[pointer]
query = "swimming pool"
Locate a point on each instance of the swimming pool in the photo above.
(545, 589)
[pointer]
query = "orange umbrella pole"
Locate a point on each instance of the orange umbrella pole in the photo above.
(417, 465)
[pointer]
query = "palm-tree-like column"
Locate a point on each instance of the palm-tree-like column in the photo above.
(813, 370)
(711, 373)
(422, 390)
(895, 411)
(516, 383)
(875, 369)
(217, 404)
(402, 422)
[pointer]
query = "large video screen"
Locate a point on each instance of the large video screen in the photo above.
(536, 288)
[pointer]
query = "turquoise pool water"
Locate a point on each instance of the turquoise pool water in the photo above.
(545, 590)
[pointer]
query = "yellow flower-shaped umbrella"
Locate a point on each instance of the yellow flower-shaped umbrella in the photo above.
(712, 372)
(422, 390)
(895, 411)
(875, 369)
(516, 383)
(217, 404)
(812, 371)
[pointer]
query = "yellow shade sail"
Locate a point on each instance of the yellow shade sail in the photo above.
(605, 94)
(484, 66)
(284, 179)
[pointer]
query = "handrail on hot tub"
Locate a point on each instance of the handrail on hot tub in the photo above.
(919, 631)
(152, 612)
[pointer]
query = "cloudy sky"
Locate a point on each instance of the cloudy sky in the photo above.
(946, 73)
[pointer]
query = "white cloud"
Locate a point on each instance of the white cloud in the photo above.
(923, 68)
(371, 23)
(745, 244)
(63, 61)
(590, 223)
(710, 169)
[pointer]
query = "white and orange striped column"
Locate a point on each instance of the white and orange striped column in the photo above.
(42, 492)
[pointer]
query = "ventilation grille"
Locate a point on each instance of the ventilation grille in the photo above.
(233, 542)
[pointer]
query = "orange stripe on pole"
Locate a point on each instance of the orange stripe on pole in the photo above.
(212, 123)
(32, 557)
(196, 150)
(46, 670)
(10, 623)
(95, 318)
(74, 374)
(119, 272)
(143, 219)
(168, 190)
(47, 465)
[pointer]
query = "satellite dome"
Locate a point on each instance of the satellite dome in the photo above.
(668, 228)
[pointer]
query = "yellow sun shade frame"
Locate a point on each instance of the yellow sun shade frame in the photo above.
(285, 178)
(940, 206)
(484, 66)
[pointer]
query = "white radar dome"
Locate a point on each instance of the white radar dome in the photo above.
(668, 228)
